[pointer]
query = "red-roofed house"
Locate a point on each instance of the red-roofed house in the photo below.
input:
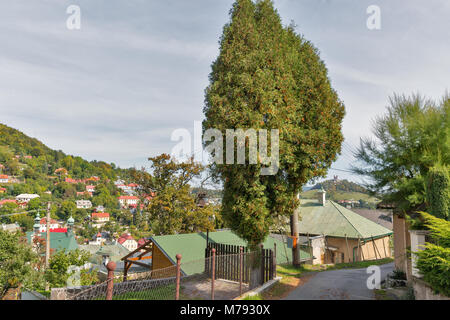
(2, 190)
(90, 188)
(62, 171)
(99, 218)
(133, 186)
(70, 180)
(59, 230)
(54, 225)
(82, 194)
(141, 242)
(4, 178)
(2, 202)
(128, 242)
(126, 201)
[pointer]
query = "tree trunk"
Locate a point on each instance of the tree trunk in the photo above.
(255, 267)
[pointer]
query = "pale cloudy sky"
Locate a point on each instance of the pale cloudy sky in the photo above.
(136, 70)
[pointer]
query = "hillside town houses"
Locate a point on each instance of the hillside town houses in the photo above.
(128, 201)
(54, 225)
(84, 204)
(25, 198)
(128, 241)
(99, 219)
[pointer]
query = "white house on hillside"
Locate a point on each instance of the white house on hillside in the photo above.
(26, 197)
(84, 204)
(126, 201)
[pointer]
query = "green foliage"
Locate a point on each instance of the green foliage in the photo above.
(173, 208)
(57, 274)
(66, 210)
(17, 263)
(269, 77)
(438, 191)
(434, 261)
(104, 196)
(412, 137)
(340, 185)
(87, 277)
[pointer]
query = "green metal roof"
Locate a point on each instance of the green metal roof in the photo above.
(192, 248)
(58, 240)
(114, 251)
(337, 221)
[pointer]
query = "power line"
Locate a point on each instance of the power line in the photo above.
(343, 170)
(17, 213)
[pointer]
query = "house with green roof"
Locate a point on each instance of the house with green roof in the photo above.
(338, 234)
(192, 249)
(58, 240)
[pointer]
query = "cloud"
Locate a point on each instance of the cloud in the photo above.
(116, 89)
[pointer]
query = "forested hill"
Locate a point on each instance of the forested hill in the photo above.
(23, 155)
(340, 185)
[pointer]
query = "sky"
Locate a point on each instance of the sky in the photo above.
(117, 88)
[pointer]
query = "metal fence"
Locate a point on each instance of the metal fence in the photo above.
(218, 276)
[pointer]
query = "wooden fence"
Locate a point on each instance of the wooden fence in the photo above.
(228, 261)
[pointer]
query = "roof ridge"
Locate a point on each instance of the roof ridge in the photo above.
(357, 231)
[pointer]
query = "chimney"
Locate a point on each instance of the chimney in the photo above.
(322, 197)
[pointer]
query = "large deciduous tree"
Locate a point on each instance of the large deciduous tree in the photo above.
(18, 263)
(411, 139)
(268, 77)
(173, 207)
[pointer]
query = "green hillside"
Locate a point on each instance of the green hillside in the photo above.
(340, 195)
(32, 168)
(340, 185)
(16, 148)
(342, 190)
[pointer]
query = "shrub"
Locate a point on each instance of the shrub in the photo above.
(438, 192)
(434, 261)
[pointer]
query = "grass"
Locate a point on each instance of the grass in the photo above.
(161, 293)
(255, 297)
(44, 293)
(290, 279)
(359, 264)
(381, 294)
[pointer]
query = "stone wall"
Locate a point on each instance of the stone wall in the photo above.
(422, 291)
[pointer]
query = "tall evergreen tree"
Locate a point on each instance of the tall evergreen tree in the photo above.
(269, 77)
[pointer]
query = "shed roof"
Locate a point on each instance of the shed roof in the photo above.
(335, 220)
(192, 247)
(58, 240)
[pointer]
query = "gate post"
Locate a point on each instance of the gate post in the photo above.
(111, 266)
(213, 272)
(274, 260)
(263, 258)
(177, 289)
(241, 253)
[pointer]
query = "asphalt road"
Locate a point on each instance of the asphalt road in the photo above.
(345, 284)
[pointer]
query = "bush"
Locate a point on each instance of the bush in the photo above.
(438, 192)
(434, 261)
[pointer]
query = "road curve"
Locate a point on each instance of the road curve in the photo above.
(344, 284)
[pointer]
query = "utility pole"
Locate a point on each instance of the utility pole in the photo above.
(294, 235)
(47, 243)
